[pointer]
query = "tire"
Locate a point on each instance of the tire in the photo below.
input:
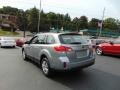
(24, 55)
(0, 45)
(45, 67)
(13, 46)
(99, 51)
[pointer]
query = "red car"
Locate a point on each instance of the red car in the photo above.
(111, 48)
(20, 42)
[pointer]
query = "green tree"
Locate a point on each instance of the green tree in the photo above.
(118, 24)
(83, 22)
(9, 10)
(110, 23)
(21, 20)
(93, 24)
(60, 20)
(80, 23)
(75, 24)
(52, 19)
(67, 22)
(33, 19)
(44, 24)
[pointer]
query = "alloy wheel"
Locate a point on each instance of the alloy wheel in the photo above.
(99, 51)
(45, 67)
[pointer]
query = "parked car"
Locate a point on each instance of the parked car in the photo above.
(20, 42)
(7, 42)
(111, 47)
(99, 41)
(58, 51)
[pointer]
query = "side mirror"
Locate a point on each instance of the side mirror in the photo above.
(27, 42)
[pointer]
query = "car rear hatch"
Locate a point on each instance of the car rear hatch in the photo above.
(78, 45)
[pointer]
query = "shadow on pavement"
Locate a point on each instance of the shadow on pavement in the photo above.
(10, 48)
(88, 79)
(113, 56)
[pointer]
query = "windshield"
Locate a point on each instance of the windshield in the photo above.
(72, 39)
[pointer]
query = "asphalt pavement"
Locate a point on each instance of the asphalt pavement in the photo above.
(17, 74)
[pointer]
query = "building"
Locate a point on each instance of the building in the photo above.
(7, 21)
(8, 17)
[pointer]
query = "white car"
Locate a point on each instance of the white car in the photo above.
(7, 42)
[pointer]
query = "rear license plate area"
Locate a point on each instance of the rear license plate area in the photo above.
(81, 54)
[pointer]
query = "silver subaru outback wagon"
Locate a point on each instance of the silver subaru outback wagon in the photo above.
(59, 51)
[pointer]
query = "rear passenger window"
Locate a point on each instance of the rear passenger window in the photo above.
(50, 40)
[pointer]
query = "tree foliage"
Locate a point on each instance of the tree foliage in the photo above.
(28, 20)
(110, 23)
(9, 10)
(94, 23)
(83, 22)
(80, 23)
(33, 19)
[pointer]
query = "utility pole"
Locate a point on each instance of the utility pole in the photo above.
(39, 17)
(24, 24)
(23, 21)
(102, 22)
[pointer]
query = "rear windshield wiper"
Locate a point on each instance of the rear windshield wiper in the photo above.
(75, 43)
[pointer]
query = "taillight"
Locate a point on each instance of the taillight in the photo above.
(62, 49)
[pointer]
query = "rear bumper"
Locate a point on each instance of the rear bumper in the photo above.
(74, 65)
(81, 64)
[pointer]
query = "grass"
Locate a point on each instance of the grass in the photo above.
(8, 33)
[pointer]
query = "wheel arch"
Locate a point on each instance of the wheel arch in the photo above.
(45, 53)
(42, 56)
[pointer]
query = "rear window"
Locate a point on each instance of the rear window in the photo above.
(72, 39)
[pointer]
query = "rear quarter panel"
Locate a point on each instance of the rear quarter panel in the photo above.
(52, 55)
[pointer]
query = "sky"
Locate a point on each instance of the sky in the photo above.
(75, 8)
